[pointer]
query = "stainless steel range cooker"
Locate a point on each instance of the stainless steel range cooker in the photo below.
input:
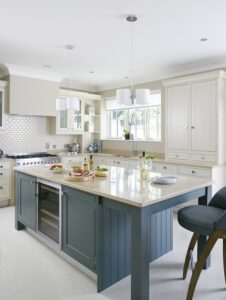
(37, 158)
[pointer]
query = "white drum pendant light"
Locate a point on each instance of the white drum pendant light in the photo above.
(61, 104)
(131, 96)
(143, 96)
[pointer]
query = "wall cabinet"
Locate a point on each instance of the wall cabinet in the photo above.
(26, 202)
(3, 86)
(69, 122)
(195, 118)
(5, 183)
(78, 226)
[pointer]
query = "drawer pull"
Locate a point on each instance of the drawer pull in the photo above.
(1, 166)
(1, 173)
(193, 172)
(165, 167)
(192, 127)
(1, 187)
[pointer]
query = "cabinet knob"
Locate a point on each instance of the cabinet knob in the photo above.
(1, 173)
(192, 127)
(165, 167)
(1, 187)
(193, 172)
(177, 155)
(1, 166)
(203, 157)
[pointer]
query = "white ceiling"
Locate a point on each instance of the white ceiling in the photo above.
(167, 36)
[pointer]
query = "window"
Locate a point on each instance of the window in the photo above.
(144, 123)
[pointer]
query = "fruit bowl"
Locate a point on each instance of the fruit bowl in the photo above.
(101, 172)
(57, 169)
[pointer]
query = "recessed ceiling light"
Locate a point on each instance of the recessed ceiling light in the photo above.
(69, 47)
(47, 66)
(203, 39)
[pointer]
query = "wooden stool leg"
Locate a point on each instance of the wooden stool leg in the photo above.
(199, 265)
(224, 257)
(191, 247)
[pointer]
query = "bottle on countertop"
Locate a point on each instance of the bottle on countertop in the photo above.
(91, 162)
(85, 165)
(143, 167)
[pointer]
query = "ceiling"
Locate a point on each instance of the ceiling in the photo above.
(167, 37)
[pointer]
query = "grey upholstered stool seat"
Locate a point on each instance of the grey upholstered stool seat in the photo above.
(199, 218)
(204, 221)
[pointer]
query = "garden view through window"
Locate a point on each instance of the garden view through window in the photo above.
(143, 122)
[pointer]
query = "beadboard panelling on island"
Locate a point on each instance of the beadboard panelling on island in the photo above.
(116, 226)
(29, 134)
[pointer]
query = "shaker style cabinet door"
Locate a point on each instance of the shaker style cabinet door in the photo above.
(204, 116)
(26, 204)
(78, 226)
(178, 98)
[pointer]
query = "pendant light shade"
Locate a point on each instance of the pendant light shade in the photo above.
(61, 104)
(73, 104)
(123, 96)
(131, 96)
(68, 103)
(142, 96)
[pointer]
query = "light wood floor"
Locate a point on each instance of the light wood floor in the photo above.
(31, 271)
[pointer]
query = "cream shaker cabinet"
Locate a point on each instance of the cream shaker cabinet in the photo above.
(3, 86)
(195, 118)
(5, 183)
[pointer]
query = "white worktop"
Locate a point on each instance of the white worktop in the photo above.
(123, 185)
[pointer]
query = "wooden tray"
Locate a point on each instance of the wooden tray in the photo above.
(79, 178)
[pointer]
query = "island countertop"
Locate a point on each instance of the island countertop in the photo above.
(123, 185)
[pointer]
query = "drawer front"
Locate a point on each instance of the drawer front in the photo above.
(195, 172)
(99, 161)
(166, 168)
(4, 165)
(4, 191)
(73, 159)
(4, 175)
(123, 163)
(203, 158)
(175, 155)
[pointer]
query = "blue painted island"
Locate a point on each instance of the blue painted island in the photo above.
(114, 226)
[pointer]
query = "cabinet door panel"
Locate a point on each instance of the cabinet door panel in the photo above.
(26, 204)
(78, 226)
(177, 117)
(204, 116)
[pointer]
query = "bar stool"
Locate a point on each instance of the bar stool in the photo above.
(204, 220)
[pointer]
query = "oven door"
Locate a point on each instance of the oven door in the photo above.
(49, 210)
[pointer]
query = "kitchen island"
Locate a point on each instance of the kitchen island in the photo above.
(114, 226)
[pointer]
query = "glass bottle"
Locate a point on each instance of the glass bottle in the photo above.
(91, 162)
(85, 166)
(143, 167)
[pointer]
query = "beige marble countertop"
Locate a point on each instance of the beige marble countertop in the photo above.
(123, 185)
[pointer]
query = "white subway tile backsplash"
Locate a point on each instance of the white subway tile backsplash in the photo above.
(29, 134)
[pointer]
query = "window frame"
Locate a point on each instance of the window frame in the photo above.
(111, 107)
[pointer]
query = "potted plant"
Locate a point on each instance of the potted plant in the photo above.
(126, 134)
